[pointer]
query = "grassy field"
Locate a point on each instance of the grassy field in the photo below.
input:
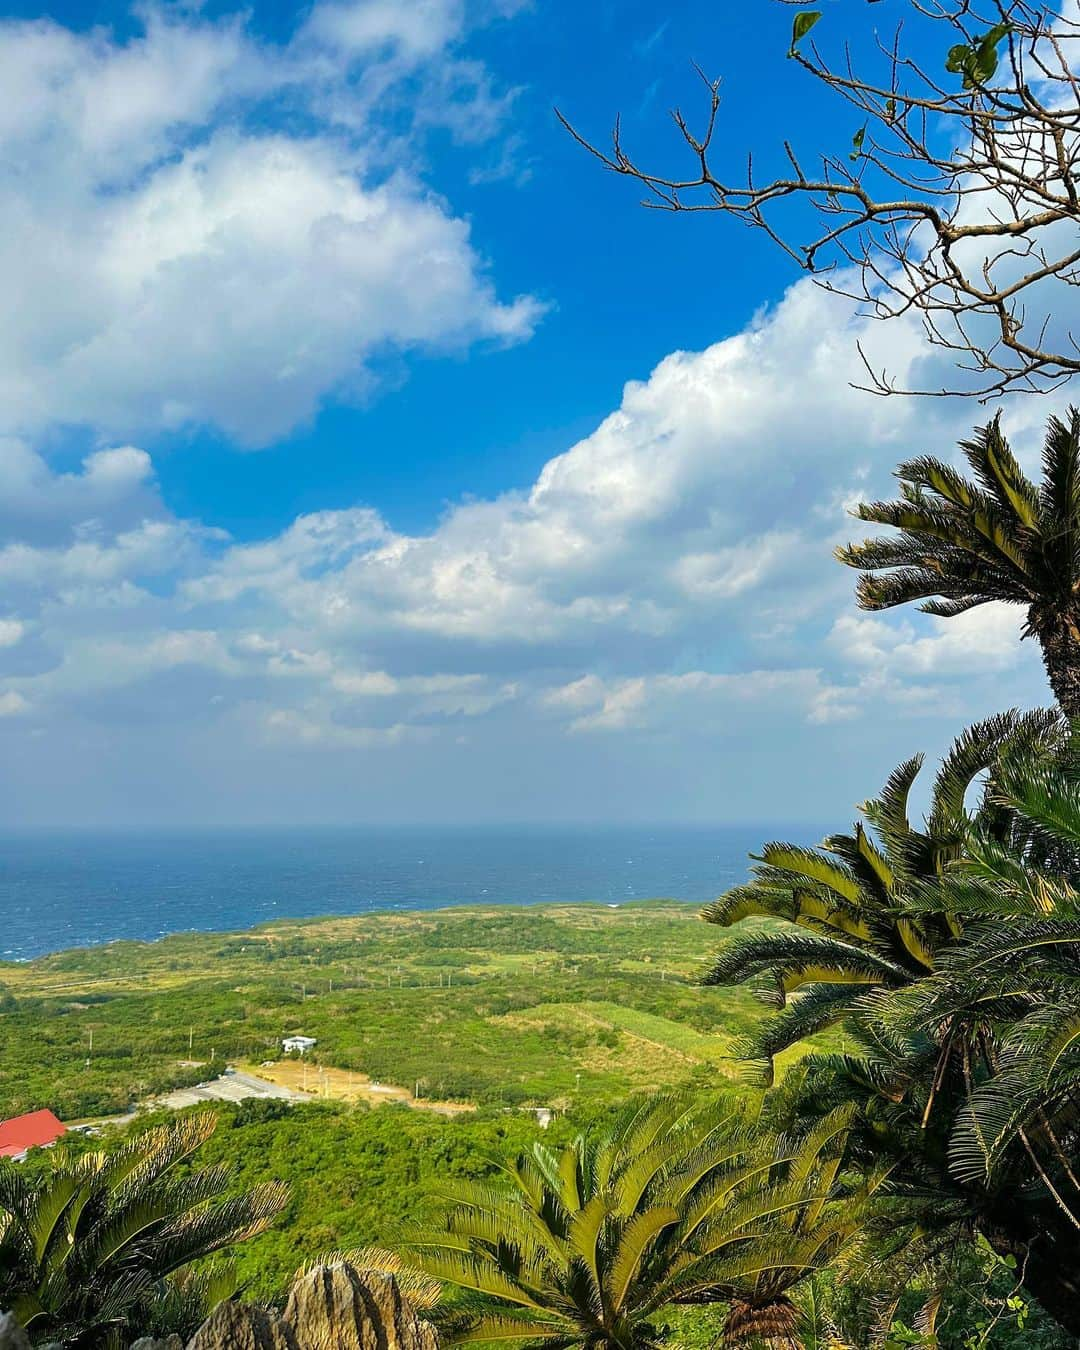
(572, 1007)
(501, 1007)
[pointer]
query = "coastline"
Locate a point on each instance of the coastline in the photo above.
(62, 890)
(270, 928)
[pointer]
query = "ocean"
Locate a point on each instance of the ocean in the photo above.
(72, 888)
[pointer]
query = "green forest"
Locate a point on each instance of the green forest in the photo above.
(543, 1006)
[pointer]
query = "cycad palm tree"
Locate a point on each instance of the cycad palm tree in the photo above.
(963, 544)
(847, 896)
(980, 1059)
(1016, 977)
(83, 1250)
(676, 1203)
(966, 1071)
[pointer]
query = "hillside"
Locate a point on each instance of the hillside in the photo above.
(570, 1006)
(501, 1006)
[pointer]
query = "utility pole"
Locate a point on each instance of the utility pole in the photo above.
(190, 1040)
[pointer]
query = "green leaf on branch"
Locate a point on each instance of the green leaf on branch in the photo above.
(804, 21)
(857, 142)
(977, 62)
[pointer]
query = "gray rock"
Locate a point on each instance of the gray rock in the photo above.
(12, 1336)
(330, 1308)
(339, 1308)
(240, 1326)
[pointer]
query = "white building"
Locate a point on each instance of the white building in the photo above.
(298, 1045)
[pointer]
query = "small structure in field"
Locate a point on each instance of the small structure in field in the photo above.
(298, 1045)
(38, 1129)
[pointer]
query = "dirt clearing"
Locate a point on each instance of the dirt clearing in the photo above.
(316, 1080)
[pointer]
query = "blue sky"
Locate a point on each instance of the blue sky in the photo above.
(552, 226)
(370, 455)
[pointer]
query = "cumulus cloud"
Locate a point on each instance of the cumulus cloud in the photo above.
(414, 31)
(986, 639)
(666, 581)
(675, 702)
(12, 703)
(113, 487)
(295, 729)
(701, 498)
(171, 257)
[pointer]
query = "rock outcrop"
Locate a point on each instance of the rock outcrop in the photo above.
(362, 1310)
(12, 1336)
(330, 1308)
(239, 1326)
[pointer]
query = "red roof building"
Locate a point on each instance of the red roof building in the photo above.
(22, 1133)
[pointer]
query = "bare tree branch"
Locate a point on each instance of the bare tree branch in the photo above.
(958, 200)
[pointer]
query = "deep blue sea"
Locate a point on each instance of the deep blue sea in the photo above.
(71, 888)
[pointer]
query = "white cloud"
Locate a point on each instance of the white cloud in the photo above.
(416, 30)
(685, 513)
(668, 579)
(154, 547)
(700, 700)
(378, 684)
(114, 488)
(987, 638)
(367, 684)
(313, 733)
(685, 501)
(161, 271)
(320, 543)
(204, 228)
(11, 632)
(742, 567)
